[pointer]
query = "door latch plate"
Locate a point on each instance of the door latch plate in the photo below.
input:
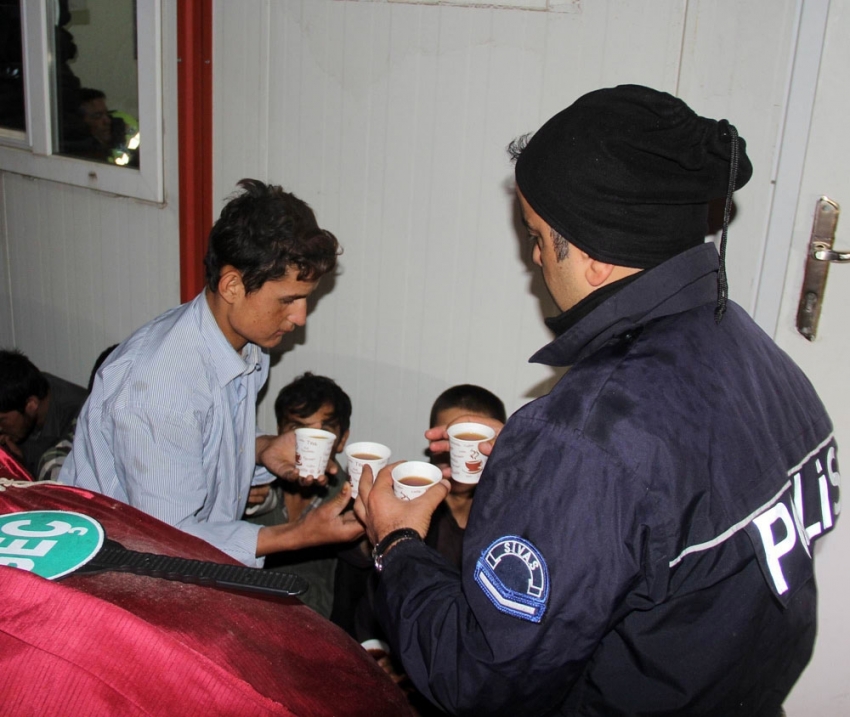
(818, 259)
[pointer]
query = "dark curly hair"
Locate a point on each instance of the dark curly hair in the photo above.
(262, 232)
(307, 394)
(20, 380)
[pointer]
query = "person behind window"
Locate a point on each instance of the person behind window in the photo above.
(109, 136)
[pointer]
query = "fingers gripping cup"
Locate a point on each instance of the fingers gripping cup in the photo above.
(413, 478)
(467, 460)
(313, 448)
(365, 453)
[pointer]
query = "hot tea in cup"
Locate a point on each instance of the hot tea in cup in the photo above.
(413, 478)
(467, 460)
(365, 453)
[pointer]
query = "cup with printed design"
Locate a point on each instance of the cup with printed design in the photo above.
(466, 458)
(313, 448)
(365, 453)
(412, 478)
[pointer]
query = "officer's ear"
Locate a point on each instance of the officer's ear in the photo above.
(230, 286)
(596, 272)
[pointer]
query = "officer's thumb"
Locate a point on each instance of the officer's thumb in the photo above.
(435, 495)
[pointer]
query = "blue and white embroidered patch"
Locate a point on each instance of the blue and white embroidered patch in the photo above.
(513, 574)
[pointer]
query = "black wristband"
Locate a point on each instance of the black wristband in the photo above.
(389, 540)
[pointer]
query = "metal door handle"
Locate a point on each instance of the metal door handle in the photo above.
(830, 255)
(818, 259)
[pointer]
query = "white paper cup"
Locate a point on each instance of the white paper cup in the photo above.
(467, 461)
(313, 448)
(378, 648)
(267, 506)
(428, 474)
(365, 453)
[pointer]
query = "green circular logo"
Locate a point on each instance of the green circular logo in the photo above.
(49, 543)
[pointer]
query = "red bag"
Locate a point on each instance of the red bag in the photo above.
(117, 643)
(10, 468)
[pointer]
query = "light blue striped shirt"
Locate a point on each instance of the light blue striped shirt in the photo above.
(165, 430)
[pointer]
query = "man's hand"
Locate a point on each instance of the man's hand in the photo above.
(11, 446)
(438, 436)
(258, 494)
(277, 453)
(382, 513)
(327, 524)
(386, 663)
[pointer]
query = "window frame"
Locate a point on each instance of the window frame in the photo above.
(33, 154)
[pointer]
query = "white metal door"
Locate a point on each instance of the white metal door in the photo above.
(824, 689)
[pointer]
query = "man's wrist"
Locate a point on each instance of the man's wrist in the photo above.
(389, 541)
(260, 445)
(283, 536)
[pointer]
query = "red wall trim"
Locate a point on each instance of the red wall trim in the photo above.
(194, 106)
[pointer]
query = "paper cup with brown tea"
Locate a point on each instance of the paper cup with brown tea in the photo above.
(412, 478)
(467, 461)
(365, 453)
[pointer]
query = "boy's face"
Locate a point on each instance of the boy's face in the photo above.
(16, 426)
(324, 418)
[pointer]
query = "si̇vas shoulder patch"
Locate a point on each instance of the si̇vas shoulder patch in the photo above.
(513, 575)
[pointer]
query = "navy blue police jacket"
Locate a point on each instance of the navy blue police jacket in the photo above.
(641, 538)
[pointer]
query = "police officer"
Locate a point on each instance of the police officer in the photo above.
(641, 539)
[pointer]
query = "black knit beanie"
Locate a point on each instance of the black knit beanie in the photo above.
(626, 174)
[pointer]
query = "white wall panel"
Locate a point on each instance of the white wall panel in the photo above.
(391, 120)
(736, 64)
(82, 269)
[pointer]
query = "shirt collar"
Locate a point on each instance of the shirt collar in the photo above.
(227, 362)
(681, 283)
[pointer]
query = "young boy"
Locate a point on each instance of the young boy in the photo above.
(449, 520)
(308, 402)
(445, 534)
(37, 410)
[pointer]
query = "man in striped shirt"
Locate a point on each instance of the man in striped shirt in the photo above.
(170, 426)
